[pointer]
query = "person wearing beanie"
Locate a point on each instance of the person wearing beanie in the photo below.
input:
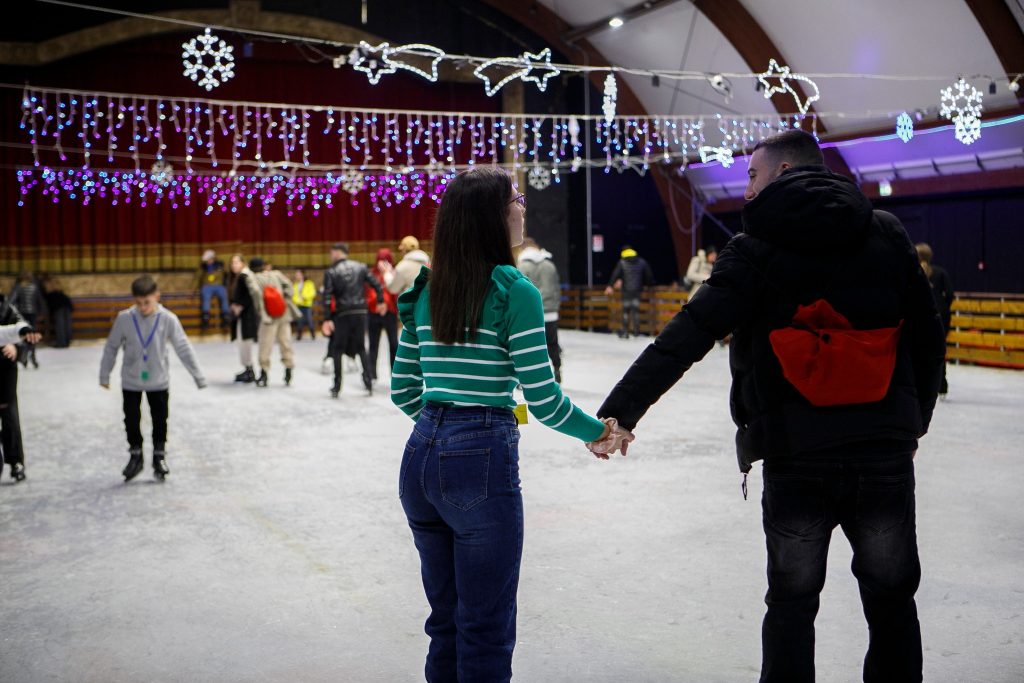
(631, 275)
(399, 278)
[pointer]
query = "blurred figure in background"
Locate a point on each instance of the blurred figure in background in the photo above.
(536, 264)
(59, 309)
(399, 278)
(942, 292)
(303, 297)
(631, 275)
(14, 330)
(246, 304)
(27, 297)
(387, 321)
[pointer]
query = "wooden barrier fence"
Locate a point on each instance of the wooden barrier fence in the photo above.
(986, 329)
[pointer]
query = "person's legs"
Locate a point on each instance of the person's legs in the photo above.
(132, 403)
(879, 520)
(158, 410)
(284, 339)
(798, 520)
(356, 329)
(266, 345)
(374, 323)
(62, 327)
(391, 327)
(554, 351)
(334, 349)
(10, 434)
(205, 295)
(221, 293)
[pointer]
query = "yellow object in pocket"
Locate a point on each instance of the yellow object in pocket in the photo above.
(520, 413)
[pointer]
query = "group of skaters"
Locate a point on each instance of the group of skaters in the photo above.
(837, 450)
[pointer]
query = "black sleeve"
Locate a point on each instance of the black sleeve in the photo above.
(328, 292)
(648, 274)
(616, 274)
(725, 301)
(926, 340)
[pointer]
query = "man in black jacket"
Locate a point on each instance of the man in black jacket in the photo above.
(810, 234)
(345, 312)
(631, 275)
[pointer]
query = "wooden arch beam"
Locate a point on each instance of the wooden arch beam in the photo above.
(1004, 34)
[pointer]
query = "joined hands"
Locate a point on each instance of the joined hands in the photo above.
(615, 438)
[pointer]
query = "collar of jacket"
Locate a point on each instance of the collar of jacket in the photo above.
(811, 210)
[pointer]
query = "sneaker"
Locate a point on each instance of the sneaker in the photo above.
(134, 465)
(246, 375)
(160, 468)
(335, 392)
(368, 383)
(18, 471)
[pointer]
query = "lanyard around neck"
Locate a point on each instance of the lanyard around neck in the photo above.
(138, 331)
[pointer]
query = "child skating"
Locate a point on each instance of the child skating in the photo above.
(144, 331)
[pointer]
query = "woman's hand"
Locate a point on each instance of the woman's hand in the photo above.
(10, 352)
(612, 439)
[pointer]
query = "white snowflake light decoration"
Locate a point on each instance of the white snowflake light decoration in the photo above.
(208, 56)
(785, 76)
(539, 177)
(961, 104)
(904, 127)
(352, 181)
(525, 64)
(611, 98)
(162, 173)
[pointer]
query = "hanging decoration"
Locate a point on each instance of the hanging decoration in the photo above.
(904, 127)
(722, 155)
(352, 181)
(161, 173)
(961, 104)
(611, 98)
(539, 177)
(523, 67)
(208, 56)
(784, 76)
(376, 61)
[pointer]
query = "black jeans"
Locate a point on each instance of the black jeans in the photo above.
(349, 338)
(10, 433)
(133, 415)
(389, 323)
(873, 502)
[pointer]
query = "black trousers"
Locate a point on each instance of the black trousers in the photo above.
(349, 338)
(873, 502)
(554, 350)
(388, 323)
(10, 433)
(133, 416)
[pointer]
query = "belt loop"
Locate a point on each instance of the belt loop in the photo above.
(440, 413)
(487, 417)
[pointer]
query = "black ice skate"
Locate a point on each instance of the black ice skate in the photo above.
(368, 383)
(18, 472)
(287, 377)
(246, 375)
(134, 465)
(160, 468)
(261, 381)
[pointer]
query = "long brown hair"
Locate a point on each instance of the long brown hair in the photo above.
(470, 239)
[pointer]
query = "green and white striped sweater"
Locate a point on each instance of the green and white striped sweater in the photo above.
(508, 350)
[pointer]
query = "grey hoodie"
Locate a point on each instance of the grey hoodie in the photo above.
(157, 368)
(536, 264)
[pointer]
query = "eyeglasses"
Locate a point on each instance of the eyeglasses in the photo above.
(519, 199)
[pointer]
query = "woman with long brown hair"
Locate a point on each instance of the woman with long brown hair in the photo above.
(473, 331)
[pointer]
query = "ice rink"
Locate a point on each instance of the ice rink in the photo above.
(277, 549)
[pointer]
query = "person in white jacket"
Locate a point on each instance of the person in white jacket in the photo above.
(399, 278)
(700, 267)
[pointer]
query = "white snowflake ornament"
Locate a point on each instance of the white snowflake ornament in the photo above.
(611, 98)
(904, 127)
(539, 178)
(961, 104)
(967, 129)
(352, 181)
(208, 60)
(162, 173)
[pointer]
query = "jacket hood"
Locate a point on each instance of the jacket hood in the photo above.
(809, 209)
(384, 254)
(534, 255)
(418, 256)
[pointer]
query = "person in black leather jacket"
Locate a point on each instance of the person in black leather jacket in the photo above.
(15, 330)
(811, 234)
(345, 312)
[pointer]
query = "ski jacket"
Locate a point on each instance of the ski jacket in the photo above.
(537, 265)
(407, 270)
(245, 292)
(810, 234)
(635, 274)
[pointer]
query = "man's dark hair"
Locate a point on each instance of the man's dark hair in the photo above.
(144, 285)
(340, 246)
(795, 147)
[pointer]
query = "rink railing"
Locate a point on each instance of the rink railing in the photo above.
(986, 329)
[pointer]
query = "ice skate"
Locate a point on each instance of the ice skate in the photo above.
(160, 468)
(287, 377)
(134, 465)
(261, 381)
(246, 375)
(18, 472)
(368, 383)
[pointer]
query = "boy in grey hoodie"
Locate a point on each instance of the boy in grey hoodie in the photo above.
(144, 331)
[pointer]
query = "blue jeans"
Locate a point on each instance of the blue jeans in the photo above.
(206, 293)
(459, 486)
(873, 502)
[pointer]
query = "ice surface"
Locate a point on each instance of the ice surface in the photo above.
(277, 549)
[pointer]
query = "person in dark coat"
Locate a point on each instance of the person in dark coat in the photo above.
(59, 309)
(14, 329)
(631, 275)
(246, 307)
(810, 234)
(27, 297)
(942, 291)
(345, 312)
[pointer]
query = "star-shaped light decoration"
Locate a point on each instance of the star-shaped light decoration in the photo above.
(784, 75)
(722, 155)
(417, 50)
(526, 63)
(370, 60)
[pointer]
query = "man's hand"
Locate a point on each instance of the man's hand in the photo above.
(105, 386)
(33, 337)
(608, 290)
(236, 309)
(382, 309)
(327, 328)
(10, 352)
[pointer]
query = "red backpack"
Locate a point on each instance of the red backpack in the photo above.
(273, 301)
(832, 364)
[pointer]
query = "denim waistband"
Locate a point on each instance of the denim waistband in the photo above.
(440, 413)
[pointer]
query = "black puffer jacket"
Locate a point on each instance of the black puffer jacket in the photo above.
(343, 288)
(810, 234)
(635, 274)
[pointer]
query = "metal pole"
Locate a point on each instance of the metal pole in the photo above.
(586, 167)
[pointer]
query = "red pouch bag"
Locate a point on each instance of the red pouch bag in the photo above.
(832, 364)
